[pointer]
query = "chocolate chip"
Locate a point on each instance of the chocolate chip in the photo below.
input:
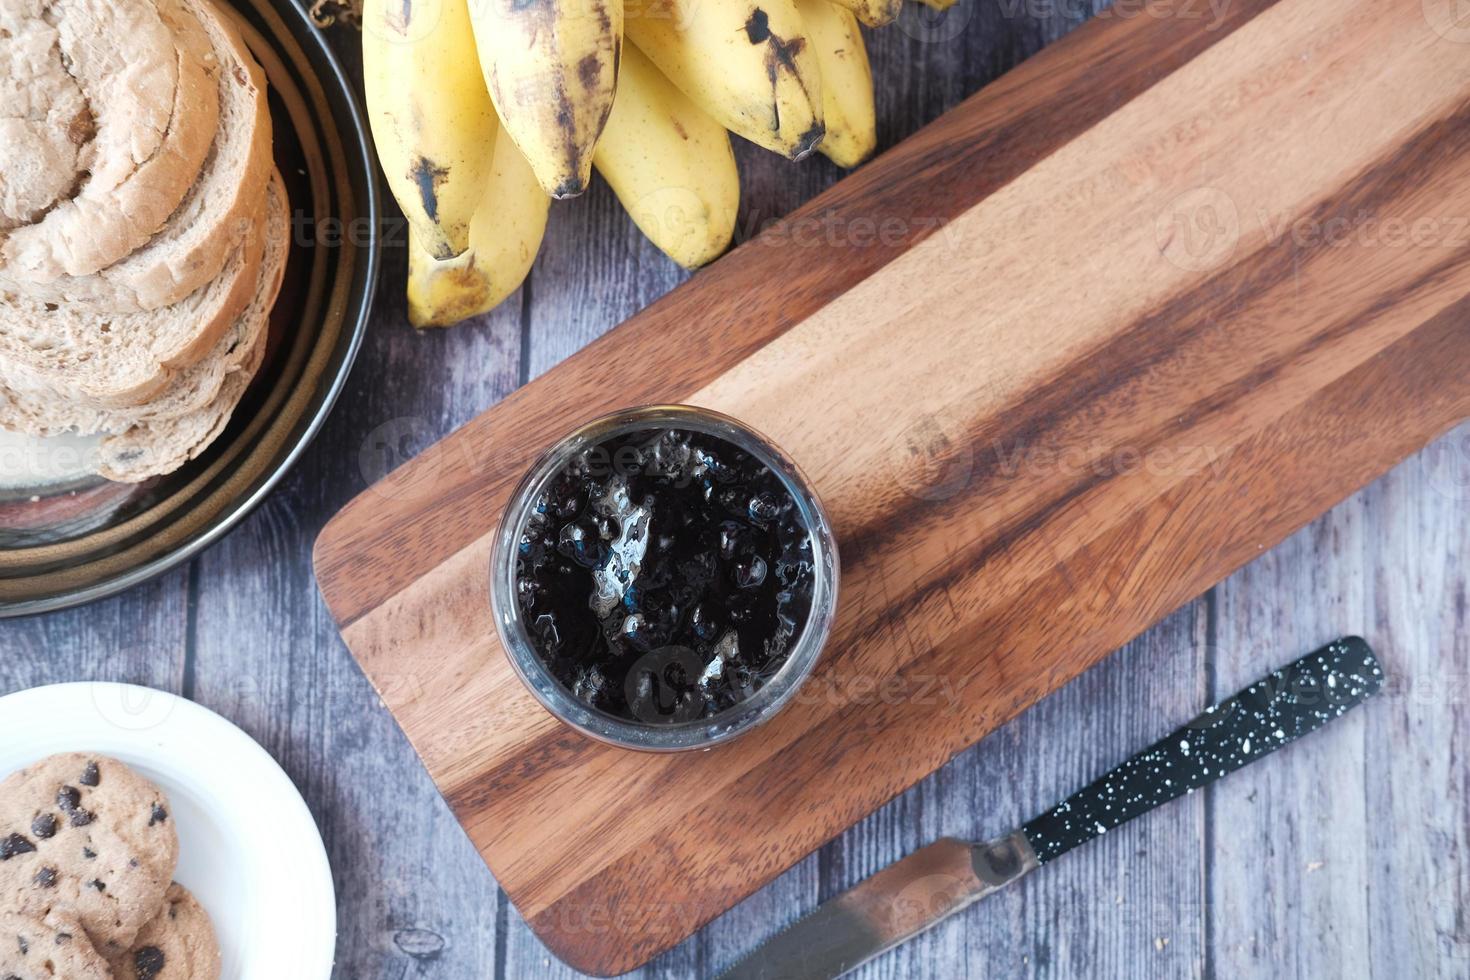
(148, 962)
(24, 943)
(45, 878)
(62, 938)
(99, 885)
(13, 845)
(88, 853)
(90, 775)
(159, 815)
(44, 826)
(80, 817)
(68, 798)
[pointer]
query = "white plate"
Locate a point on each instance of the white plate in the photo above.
(248, 847)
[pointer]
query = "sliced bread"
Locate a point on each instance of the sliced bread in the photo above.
(192, 247)
(122, 360)
(141, 68)
(189, 390)
(153, 447)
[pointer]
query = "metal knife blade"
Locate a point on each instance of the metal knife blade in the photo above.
(892, 906)
(935, 882)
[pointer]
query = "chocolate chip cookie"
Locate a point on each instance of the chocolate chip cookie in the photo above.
(47, 949)
(85, 834)
(178, 944)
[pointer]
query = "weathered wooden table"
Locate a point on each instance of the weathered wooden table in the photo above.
(1345, 856)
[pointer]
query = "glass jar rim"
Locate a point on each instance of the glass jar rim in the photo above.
(672, 736)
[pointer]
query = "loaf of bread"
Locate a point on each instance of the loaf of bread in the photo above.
(144, 231)
(136, 79)
(189, 390)
(95, 359)
(214, 214)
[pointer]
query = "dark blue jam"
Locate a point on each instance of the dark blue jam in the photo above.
(664, 575)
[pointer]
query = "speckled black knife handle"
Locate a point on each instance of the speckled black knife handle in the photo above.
(1277, 709)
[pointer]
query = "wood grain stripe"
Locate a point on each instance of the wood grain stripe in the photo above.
(1388, 188)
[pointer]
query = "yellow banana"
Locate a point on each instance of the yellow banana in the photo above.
(504, 238)
(876, 13)
(552, 70)
(745, 62)
(432, 121)
(670, 164)
(847, 81)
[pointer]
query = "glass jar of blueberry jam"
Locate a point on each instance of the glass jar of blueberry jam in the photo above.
(664, 578)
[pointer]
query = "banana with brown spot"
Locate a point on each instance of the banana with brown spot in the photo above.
(505, 236)
(670, 165)
(552, 70)
(746, 62)
(431, 118)
(847, 82)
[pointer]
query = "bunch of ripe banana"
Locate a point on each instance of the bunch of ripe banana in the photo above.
(484, 110)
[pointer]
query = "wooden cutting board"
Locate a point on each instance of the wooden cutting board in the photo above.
(1056, 364)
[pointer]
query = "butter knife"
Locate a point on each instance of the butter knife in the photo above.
(918, 891)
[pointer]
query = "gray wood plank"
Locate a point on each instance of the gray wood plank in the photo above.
(594, 271)
(1288, 867)
(1346, 855)
(1418, 788)
(134, 638)
(414, 898)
